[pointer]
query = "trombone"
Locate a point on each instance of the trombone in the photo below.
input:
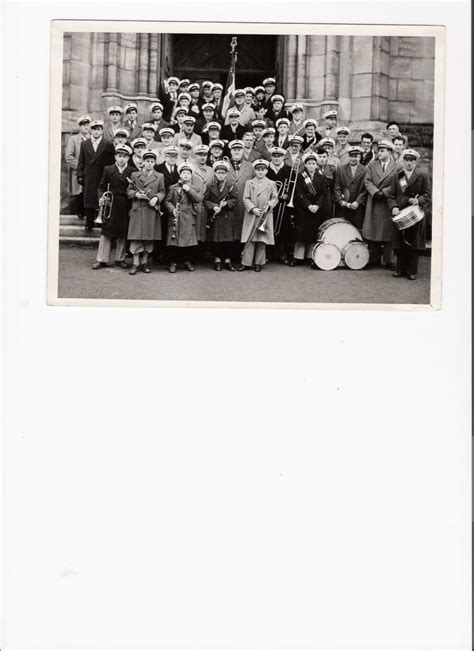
(284, 188)
(105, 209)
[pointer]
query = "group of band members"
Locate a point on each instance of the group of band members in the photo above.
(197, 178)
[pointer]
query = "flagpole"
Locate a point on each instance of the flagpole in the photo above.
(230, 86)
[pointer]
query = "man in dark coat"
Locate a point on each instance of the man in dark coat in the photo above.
(349, 189)
(233, 130)
(94, 155)
(366, 142)
(115, 180)
(310, 197)
(282, 216)
(169, 169)
(377, 227)
(408, 188)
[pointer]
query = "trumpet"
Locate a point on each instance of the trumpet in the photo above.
(105, 208)
(259, 225)
(290, 182)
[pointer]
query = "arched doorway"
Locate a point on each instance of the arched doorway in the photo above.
(207, 56)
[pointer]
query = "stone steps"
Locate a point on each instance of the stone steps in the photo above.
(72, 233)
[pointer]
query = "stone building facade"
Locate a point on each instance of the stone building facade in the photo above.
(369, 79)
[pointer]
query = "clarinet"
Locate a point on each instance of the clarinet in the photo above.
(212, 218)
(177, 208)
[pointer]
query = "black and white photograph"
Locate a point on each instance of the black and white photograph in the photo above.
(247, 167)
(237, 324)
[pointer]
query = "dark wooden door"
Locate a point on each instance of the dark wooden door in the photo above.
(207, 56)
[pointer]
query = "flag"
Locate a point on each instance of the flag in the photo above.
(230, 84)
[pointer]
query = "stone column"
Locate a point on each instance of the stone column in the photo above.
(331, 68)
(369, 106)
(112, 62)
(301, 67)
(153, 65)
(292, 63)
(143, 65)
(345, 80)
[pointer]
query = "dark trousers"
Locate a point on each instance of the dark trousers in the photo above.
(76, 205)
(91, 214)
(222, 250)
(180, 253)
(407, 259)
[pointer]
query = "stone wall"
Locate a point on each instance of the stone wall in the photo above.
(411, 92)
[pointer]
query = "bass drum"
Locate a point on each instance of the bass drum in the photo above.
(339, 232)
(355, 254)
(326, 256)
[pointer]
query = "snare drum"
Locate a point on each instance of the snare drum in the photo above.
(355, 254)
(407, 217)
(326, 256)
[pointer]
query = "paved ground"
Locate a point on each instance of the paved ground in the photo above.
(276, 283)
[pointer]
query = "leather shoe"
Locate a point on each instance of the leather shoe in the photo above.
(172, 268)
(122, 264)
(146, 269)
(99, 265)
(291, 263)
(411, 276)
(188, 266)
(397, 274)
(258, 267)
(217, 266)
(313, 265)
(230, 266)
(133, 270)
(242, 267)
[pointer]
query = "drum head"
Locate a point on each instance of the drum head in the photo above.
(339, 232)
(356, 255)
(326, 256)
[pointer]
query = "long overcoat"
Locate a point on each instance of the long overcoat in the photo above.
(222, 229)
(307, 223)
(117, 225)
(185, 231)
(73, 148)
(91, 167)
(350, 188)
(145, 221)
(256, 195)
(418, 186)
(239, 178)
(200, 180)
(377, 225)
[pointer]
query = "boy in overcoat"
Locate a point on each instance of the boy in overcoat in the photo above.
(377, 227)
(131, 122)
(310, 197)
(73, 148)
(114, 180)
(145, 216)
(180, 204)
(349, 190)
(94, 155)
(220, 199)
(260, 197)
(408, 188)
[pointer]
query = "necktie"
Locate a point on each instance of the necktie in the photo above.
(383, 167)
